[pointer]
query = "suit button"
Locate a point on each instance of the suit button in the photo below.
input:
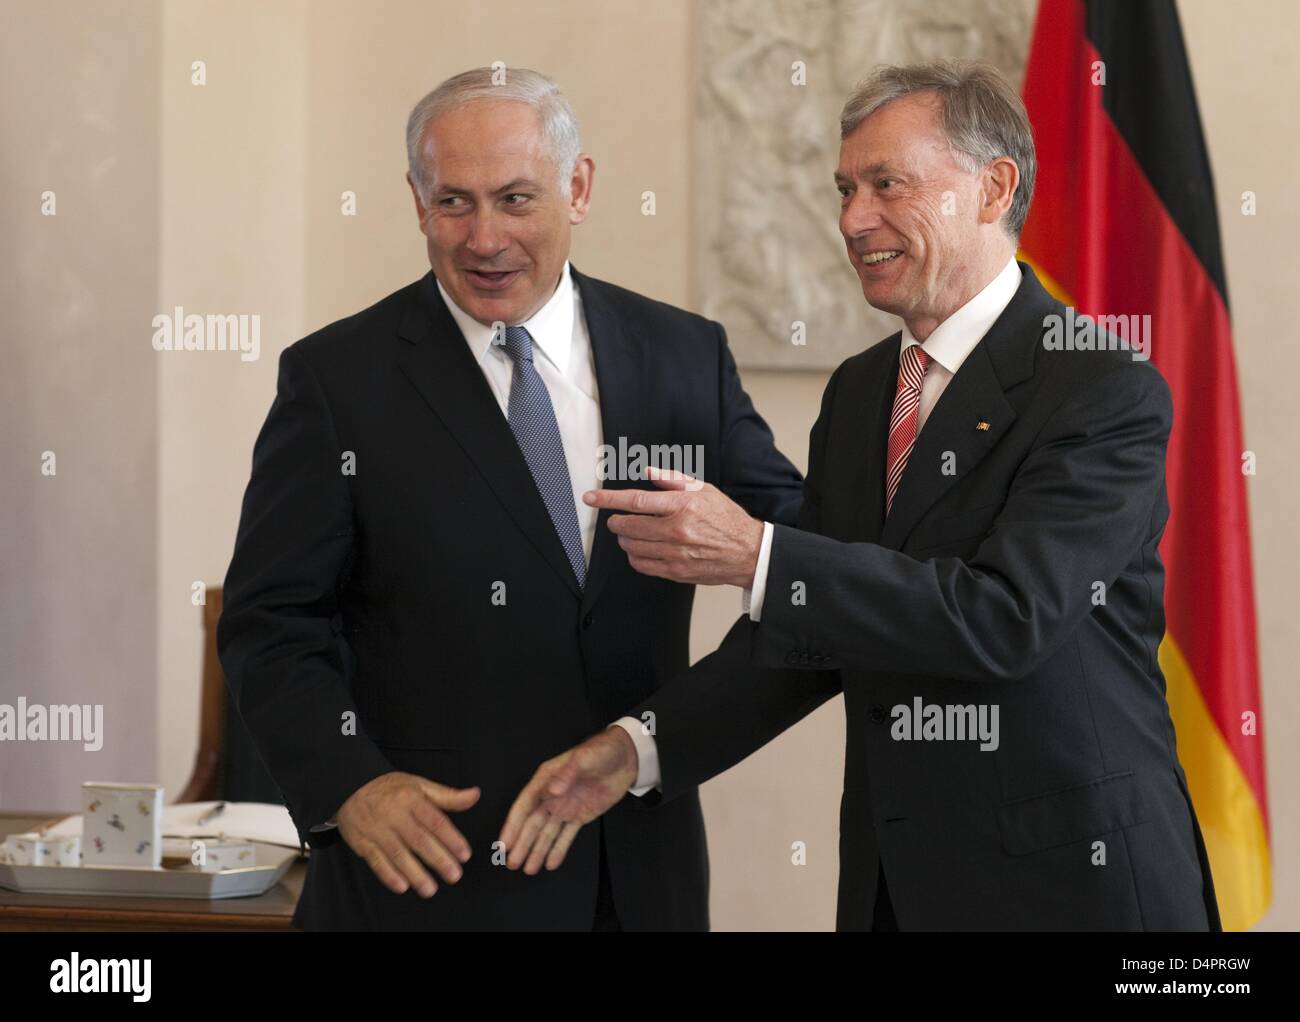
(586, 620)
(804, 659)
(792, 657)
(818, 659)
(877, 715)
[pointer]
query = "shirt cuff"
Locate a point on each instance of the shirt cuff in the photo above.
(751, 601)
(647, 753)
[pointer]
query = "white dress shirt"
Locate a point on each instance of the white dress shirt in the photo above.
(948, 347)
(563, 359)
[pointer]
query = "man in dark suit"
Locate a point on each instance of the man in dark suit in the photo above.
(419, 608)
(975, 567)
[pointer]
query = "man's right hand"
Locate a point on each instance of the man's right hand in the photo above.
(566, 793)
(399, 820)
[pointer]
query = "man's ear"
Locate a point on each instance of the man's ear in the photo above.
(584, 174)
(1001, 179)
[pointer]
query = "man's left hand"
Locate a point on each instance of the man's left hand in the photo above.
(686, 531)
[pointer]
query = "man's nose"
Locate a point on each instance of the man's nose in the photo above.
(861, 214)
(486, 238)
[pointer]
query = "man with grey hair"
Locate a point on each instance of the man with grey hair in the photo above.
(420, 606)
(975, 567)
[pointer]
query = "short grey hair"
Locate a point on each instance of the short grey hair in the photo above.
(559, 124)
(983, 118)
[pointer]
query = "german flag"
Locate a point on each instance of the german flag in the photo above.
(1123, 222)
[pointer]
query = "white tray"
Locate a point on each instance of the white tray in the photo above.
(272, 862)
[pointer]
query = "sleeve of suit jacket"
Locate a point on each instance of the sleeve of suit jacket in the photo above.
(723, 709)
(1077, 512)
(279, 645)
(754, 473)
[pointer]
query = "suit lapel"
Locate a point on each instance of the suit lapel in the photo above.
(976, 394)
(950, 445)
(434, 358)
(870, 418)
(620, 376)
(853, 460)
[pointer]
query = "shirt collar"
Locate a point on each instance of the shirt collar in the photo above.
(955, 338)
(551, 326)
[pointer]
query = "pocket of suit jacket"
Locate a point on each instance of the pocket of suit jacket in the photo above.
(1075, 813)
(952, 530)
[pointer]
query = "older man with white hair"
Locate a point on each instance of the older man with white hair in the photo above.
(975, 567)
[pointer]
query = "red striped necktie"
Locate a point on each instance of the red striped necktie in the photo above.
(902, 423)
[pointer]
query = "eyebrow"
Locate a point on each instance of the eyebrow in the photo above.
(871, 171)
(518, 184)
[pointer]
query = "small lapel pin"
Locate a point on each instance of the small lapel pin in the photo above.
(982, 426)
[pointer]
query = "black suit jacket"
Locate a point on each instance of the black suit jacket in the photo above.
(978, 588)
(368, 598)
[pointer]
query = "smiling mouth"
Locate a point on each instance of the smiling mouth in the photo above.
(880, 257)
(491, 280)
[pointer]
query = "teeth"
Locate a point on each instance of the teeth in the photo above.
(871, 258)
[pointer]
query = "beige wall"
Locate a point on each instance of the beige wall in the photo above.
(232, 240)
(233, 193)
(77, 378)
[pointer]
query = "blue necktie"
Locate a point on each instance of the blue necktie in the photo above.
(532, 420)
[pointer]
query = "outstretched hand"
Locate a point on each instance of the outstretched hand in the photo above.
(564, 794)
(684, 531)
